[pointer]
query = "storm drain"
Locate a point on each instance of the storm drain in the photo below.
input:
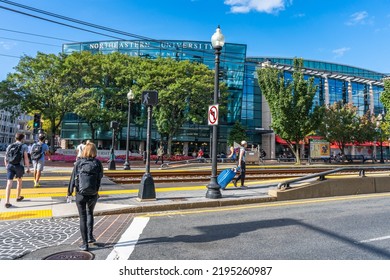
(71, 255)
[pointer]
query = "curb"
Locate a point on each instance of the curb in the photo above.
(185, 205)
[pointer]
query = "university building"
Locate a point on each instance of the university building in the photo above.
(246, 104)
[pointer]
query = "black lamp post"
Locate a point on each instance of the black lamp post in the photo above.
(130, 98)
(379, 123)
(213, 189)
(111, 163)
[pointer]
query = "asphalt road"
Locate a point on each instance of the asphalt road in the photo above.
(348, 228)
(342, 228)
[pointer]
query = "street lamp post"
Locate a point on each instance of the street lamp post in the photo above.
(130, 98)
(213, 189)
(111, 163)
(379, 123)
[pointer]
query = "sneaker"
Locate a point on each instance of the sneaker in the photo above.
(20, 198)
(84, 247)
(37, 185)
(91, 240)
(244, 187)
(8, 205)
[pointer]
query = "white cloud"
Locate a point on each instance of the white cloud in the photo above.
(6, 45)
(358, 18)
(340, 52)
(263, 6)
(301, 15)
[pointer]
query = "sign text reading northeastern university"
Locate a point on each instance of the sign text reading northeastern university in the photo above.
(131, 45)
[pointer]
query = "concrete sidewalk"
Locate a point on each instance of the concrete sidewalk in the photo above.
(50, 202)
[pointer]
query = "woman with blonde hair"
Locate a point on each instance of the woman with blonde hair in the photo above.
(86, 179)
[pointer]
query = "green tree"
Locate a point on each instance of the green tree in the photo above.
(385, 95)
(185, 91)
(10, 100)
(291, 104)
(237, 134)
(39, 84)
(101, 82)
(342, 125)
(385, 99)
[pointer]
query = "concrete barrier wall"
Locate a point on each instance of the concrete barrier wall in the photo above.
(335, 187)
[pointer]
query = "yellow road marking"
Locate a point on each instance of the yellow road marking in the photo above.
(264, 205)
(43, 179)
(57, 192)
(21, 215)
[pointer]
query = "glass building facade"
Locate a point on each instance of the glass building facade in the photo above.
(246, 104)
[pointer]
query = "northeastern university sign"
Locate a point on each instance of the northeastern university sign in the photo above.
(132, 45)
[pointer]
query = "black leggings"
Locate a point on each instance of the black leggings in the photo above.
(86, 205)
(242, 173)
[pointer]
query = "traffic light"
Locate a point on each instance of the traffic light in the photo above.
(37, 121)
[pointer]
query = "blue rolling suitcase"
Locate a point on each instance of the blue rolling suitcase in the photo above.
(225, 177)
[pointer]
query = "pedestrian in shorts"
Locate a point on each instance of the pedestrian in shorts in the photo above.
(15, 167)
(39, 164)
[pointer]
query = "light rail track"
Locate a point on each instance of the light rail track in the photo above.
(169, 176)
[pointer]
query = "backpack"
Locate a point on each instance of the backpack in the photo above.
(14, 154)
(88, 177)
(36, 152)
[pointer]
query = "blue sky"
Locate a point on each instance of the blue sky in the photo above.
(349, 32)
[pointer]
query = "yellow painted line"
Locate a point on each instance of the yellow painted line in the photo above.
(51, 178)
(58, 192)
(21, 215)
(265, 205)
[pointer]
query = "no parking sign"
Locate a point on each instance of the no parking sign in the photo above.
(213, 114)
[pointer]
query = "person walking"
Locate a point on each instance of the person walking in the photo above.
(29, 153)
(79, 149)
(160, 154)
(38, 152)
(241, 165)
(86, 179)
(15, 160)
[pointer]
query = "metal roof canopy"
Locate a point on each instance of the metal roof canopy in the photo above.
(323, 74)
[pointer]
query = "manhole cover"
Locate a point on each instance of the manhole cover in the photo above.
(71, 255)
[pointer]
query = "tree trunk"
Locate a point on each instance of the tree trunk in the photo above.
(53, 136)
(93, 130)
(297, 154)
(169, 146)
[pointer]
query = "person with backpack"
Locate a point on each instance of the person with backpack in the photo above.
(38, 152)
(15, 160)
(86, 179)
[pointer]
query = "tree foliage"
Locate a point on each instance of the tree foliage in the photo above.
(185, 90)
(237, 134)
(40, 87)
(342, 125)
(385, 99)
(95, 87)
(291, 104)
(101, 82)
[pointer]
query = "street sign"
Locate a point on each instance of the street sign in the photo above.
(213, 114)
(150, 97)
